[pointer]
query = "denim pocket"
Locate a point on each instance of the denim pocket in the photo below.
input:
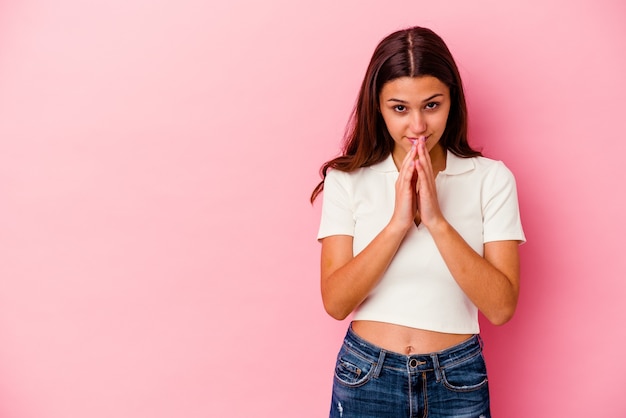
(467, 375)
(351, 369)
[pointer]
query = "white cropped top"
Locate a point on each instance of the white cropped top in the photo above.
(477, 196)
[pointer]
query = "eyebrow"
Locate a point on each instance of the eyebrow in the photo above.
(425, 100)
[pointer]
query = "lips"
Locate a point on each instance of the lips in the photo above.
(414, 140)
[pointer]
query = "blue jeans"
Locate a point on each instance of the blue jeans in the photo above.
(373, 383)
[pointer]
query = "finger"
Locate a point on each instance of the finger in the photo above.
(410, 156)
(408, 165)
(403, 184)
(421, 163)
(426, 153)
(425, 162)
(417, 187)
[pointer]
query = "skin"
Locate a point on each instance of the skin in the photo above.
(415, 111)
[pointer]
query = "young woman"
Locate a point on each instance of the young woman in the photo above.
(418, 233)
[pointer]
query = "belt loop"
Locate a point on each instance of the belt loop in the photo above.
(480, 341)
(379, 365)
(435, 358)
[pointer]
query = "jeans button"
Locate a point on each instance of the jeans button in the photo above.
(413, 363)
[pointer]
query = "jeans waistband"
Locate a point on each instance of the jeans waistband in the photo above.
(415, 362)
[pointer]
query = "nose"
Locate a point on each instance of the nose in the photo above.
(418, 123)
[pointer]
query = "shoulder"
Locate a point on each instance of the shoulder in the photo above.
(493, 170)
(496, 180)
(363, 173)
(484, 173)
(489, 164)
(335, 177)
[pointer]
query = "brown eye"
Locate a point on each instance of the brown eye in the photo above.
(399, 108)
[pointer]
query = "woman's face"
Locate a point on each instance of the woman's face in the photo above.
(413, 107)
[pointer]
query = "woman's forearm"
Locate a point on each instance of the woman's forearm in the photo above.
(347, 280)
(490, 282)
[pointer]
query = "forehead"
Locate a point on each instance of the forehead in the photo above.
(414, 87)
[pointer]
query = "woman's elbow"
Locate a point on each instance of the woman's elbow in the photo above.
(501, 316)
(335, 311)
(334, 304)
(335, 307)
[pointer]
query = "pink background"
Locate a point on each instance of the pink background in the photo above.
(157, 249)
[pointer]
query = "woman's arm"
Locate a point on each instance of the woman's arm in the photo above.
(346, 280)
(491, 281)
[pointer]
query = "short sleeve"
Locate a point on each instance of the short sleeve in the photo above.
(501, 215)
(337, 213)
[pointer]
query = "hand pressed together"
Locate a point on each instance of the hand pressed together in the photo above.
(416, 192)
(426, 190)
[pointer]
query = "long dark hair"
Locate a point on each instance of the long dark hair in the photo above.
(410, 52)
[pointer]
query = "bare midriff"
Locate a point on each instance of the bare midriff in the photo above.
(406, 340)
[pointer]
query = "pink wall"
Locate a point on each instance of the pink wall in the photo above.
(158, 254)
